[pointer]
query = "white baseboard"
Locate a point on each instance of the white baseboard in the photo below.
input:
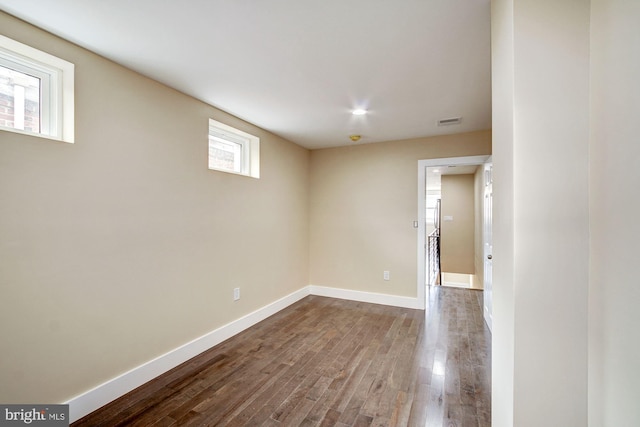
(99, 396)
(371, 297)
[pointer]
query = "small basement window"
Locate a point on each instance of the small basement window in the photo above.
(232, 150)
(36, 92)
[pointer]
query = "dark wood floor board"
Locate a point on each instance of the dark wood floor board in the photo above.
(402, 378)
(298, 415)
(161, 422)
(386, 404)
(297, 397)
(257, 400)
(363, 421)
(373, 396)
(320, 410)
(402, 409)
(376, 402)
(333, 363)
(319, 388)
(419, 405)
(318, 363)
(339, 390)
(364, 388)
(203, 392)
(351, 412)
(279, 392)
(330, 362)
(240, 390)
(161, 410)
(330, 351)
(331, 418)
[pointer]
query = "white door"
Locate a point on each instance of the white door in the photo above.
(488, 243)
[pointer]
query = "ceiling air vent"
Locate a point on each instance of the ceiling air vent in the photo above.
(449, 121)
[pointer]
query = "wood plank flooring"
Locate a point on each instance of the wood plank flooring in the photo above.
(330, 362)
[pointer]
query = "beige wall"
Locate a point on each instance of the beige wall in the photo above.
(502, 128)
(614, 346)
(541, 216)
(478, 244)
(548, 326)
(123, 246)
(457, 236)
(364, 199)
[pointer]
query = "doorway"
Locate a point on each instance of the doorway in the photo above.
(431, 218)
(453, 198)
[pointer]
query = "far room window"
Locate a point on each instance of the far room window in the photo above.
(232, 150)
(36, 92)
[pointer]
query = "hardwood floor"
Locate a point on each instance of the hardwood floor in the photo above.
(330, 362)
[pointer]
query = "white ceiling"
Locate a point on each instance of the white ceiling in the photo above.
(297, 68)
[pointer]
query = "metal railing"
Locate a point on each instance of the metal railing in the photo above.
(433, 254)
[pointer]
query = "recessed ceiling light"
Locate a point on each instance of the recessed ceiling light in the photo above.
(359, 112)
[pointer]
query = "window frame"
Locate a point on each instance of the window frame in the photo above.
(56, 88)
(248, 147)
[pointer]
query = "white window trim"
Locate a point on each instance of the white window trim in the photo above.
(59, 96)
(250, 162)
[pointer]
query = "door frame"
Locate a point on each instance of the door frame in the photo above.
(422, 211)
(487, 245)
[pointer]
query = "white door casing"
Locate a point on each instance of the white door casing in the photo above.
(422, 212)
(488, 244)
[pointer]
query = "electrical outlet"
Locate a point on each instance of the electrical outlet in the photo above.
(236, 294)
(386, 275)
